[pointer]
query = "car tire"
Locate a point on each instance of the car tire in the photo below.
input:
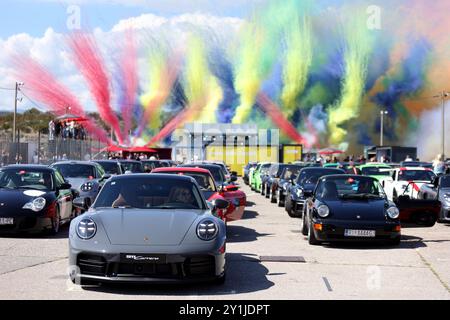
(312, 237)
(221, 280)
(262, 190)
(395, 242)
(303, 225)
(56, 223)
(288, 205)
(267, 193)
(273, 199)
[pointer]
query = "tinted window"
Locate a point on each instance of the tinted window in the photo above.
(26, 179)
(415, 175)
(134, 167)
(144, 193)
(311, 177)
(445, 182)
(110, 168)
(334, 188)
(375, 171)
(76, 170)
(290, 172)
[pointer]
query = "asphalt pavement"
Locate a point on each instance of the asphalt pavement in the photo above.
(267, 258)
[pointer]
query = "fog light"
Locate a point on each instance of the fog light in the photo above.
(318, 227)
(398, 228)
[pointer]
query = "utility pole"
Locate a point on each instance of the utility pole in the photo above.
(382, 113)
(443, 95)
(16, 99)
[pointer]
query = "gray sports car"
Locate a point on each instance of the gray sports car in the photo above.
(148, 228)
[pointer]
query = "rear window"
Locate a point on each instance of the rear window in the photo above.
(415, 175)
(311, 177)
(375, 171)
(76, 170)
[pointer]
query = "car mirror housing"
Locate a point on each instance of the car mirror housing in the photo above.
(220, 204)
(82, 203)
(65, 186)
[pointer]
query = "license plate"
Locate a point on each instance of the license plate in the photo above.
(143, 258)
(360, 233)
(6, 221)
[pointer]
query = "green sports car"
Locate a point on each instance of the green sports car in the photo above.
(260, 170)
(377, 171)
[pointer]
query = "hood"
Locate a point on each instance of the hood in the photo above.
(160, 227)
(77, 182)
(12, 201)
(368, 210)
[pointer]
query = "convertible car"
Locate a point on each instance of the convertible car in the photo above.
(33, 199)
(211, 192)
(350, 208)
(148, 228)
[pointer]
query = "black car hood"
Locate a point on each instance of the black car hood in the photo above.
(12, 200)
(367, 210)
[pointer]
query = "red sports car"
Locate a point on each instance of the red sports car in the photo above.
(211, 192)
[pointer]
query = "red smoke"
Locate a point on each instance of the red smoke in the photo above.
(89, 62)
(42, 86)
(171, 126)
(274, 112)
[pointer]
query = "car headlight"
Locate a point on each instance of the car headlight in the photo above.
(446, 198)
(36, 205)
(393, 212)
(207, 230)
(299, 193)
(86, 187)
(86, 229)
(323, 211)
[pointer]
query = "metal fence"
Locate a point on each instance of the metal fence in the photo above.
(38, 149)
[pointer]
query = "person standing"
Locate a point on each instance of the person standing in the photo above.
(439, 165)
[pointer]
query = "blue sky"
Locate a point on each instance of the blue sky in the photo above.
(34, 17)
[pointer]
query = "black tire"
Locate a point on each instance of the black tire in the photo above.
(395, 242)
(267, 192)
(273, 199)
(312, 237)
(303, 225)
(288, 205)
(56, 223)
(262, 190)
(221, 280)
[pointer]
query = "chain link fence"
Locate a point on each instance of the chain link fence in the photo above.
(38, 149)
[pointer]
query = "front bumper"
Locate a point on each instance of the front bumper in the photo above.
(110, 268)
(334, 231)
(27, 224)
(445, 214)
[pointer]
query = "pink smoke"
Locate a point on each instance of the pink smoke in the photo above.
(42, 86)
(171, 126)
(274, 112)
(90, 64)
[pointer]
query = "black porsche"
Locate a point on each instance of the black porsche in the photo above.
(350, 208)
(34, 199)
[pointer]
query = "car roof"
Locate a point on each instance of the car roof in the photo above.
(414, 169)
(181, 169)
(129, 161)
(29, 167)
(321, 169)
(91, 163)
(156, 176)
(206, 165)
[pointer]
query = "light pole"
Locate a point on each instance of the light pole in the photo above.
(382, 113)
(16, 99)
(443, 95)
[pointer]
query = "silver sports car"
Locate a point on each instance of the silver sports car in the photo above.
(148, 228)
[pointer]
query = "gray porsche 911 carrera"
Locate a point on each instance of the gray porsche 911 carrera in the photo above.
(148, 228)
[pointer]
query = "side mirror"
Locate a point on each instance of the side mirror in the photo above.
(65, 186)
(105, 177)
(82, 203)
(233, 178)
(230, 188)
(220, 204)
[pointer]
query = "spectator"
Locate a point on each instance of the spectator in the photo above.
(439, 165)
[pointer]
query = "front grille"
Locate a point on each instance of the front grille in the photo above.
(92, 264)
(147, 269)
(27, 223)
(204, 265)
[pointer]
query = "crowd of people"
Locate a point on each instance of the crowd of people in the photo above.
(66, 130)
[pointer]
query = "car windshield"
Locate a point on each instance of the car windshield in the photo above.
(334, 188)
(311, 177)
(216, 172)
(76, 170)
(375, 171)
(110, 168)
(415, 175)
(150, 193)
(26, 179)
(290, 172)
(134, 167)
